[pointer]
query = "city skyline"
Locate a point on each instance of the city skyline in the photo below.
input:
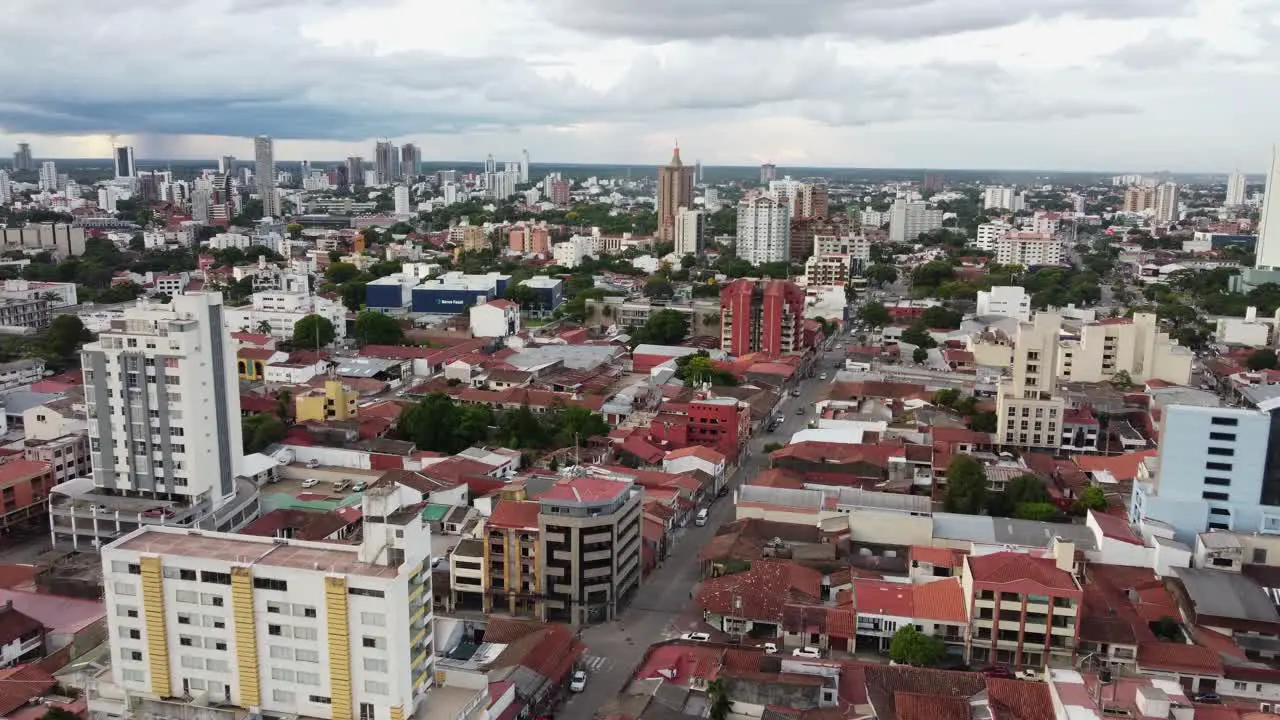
(1067, 85)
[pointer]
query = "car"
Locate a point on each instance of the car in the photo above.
(1207, 698)
(312, 464)
(807, 652)
(310, 483)
(359, 487)
(696, 636)
(578, 682)
(342, 486)
(800, 410)
(770, 649)
(823, 376)
(723, 492)
(997, 671)
(156, 512)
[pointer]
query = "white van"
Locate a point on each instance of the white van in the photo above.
(701, 518)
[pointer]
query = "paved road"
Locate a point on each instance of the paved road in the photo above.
(615, 649)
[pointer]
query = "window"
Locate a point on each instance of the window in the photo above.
(217, 665)
(187, 596)
(214, 622)
(278, 673)
(279, 652)
(134, 655)
(215, 577)
(375, 619)
(1217, 481)
(186, 641)
(184, 618)
(276, 630)
(1225, 452)
(304, 655)
(119, 566)
(1259, 556)
(365, 592)
(269, 584)
(1214, 495)
(308, 678)
(319, 699)
(304, 633)
(375, 665)
(366, 711)
(214, 600)
(123, 588)
(1228, 437)
(1220, 511)
(131, 675)
(283, 696)
(1218, 466)
(275, 607)
(126, 611)
(373, 642)
(193, 663)
(1241, 686)
(131, 633)
(1232, 422)
(375, 687)
(304, 610)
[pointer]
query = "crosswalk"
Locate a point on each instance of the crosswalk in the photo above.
(595, 663)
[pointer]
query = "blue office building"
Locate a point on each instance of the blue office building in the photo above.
(390, 294)
(454, 292)
(550, 295)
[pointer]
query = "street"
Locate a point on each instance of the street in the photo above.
(615, 649)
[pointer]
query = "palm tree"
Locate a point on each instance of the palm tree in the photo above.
(264, 327)
(721, 705)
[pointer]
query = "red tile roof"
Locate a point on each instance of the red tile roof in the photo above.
(253, 353)
(501, 303)
(940, 600)
(251, 338)
(699, 451)
(18, 685)
(840, 453)
(641, 449)
(1179, 657)
(922, 706)
(15, 624)
(936, 556)
(1010, 567)
(305, 524)
(762, 592)
(515, 515)
(584, 489)
(778, 477)
(16, 470)
(1115, 528)
(880, 597)
(1019, 700)
(1122, 467)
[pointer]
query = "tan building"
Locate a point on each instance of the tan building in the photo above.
(1028, 410)
(675, 190)
(468, 237)
(1139, 198)
(828, 269)
(1134, 345)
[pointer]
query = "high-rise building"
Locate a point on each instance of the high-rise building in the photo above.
(1235, 189)
(22, 159)
(675, 190)
(711, 200)
(355, 170)
(768, 173)
(125, 167)
(410, 161)
(48, 176)
(201, 203)
(697, 171)
(558, 191)
(108, 196)
(524, 167)
(385, 160)
(1139, 198)
(690, 231)
(264, 171)
(1029, 412)
(761, 316)
(226, 164)
(909, 219)
(490, 165)
(402, 206)
(501, 185)
(764, 229)
(6, 190)
(1268, 254)
(932, 181)
(996, 197)
(1166, 206)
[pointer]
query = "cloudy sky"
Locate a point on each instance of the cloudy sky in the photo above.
(1184, 85)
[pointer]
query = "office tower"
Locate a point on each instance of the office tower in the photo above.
(6, 191)
(446, 176)
(909, 219)
(226, 164)
(932, 181)
(813, 201)
(1139, 198)
(201, 204)
(690, 230)
(123, 159)
(1235, 189)
(108, 196)
(711, 200)
(501, 185)
(765, 316)
(410, 161)
(764, 230)
(996, 197)
(524, 167)
(768, 173)
(304, 172)
(385, 158)
(164, 404)
(675, 190)
(328, 630)
(355, 170)
(1166, 205)
(402, 200)
(490, 165)
(264, 170)
(1029, 413)
(22, 159)
(697, 171)
(48, 176)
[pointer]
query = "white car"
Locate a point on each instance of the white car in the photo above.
(807, 652)
(770, 649)
(578, 682)
(313, 464)
(696, 636)
(310, 483)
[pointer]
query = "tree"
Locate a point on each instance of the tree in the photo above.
(1262, 360)
(578, 424)
(374, 328)
(294, 230)
(772, 447)
(665, 327)
(938, 316)
(259, 431)
(919, 355)
(721, 705)
(983, 422)
(1027, 488)
(912, 647)
(313, 331)
(874, 314)
(284, 404)
(658, 286)
(264, 327)
(340, 272)
(946, 397)
(1167, 628)
(880, 274)
(1041, 511)
(1121, 379)
(64, 336)
(437, 423)
(1092, 498)
(520, 428)
(57, 713)
(966, 486)
(919, 336)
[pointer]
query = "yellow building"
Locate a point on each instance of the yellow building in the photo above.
(334, 401)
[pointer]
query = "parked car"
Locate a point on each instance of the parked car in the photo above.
(313, 464)
(310, 483)
(997, 671)
(156, 512)
(1207, 698)
(770, 649)
(342, 486)
(807, 652)
(359, 487)
(823, 376)
(696, 636)
(723, 492)
(578, 682)
(800, 410)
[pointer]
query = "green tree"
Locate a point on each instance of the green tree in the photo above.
(874, 314)
(374, 328)
(437, 423)
(721, 705)
(1027, 488)
(919, 355)
(919, 336)
(64, 336)
(772, 447)
(939, 316)
(578, 424)
(983, 422)
(284, 404)
(1166, 628)
(1092, 498)
(946, 397)
(340, 272)
(313, 331)
(1121, 379)
(259, 431)
(880, 274)
(912, 647)
(352, 294)
(658, 286)
(665, 327)
(521, 428)
(1262, 360)
(294, 230)
(1041, 511)
(966, 486)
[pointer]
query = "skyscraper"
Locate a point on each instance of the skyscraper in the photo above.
(697, 171)
(22, 159)
(48, 176)
(490, 165)
(768, 173)
(264, 171)
(675, 190)
(355, 170)
(1268, 255)
(385, 159)
(1166, 203)
(764, 229)
(1235, 189)
(524, 167)
(124, 162)
(226, 163)
(410, 161)
(6, 193)
(690, 230)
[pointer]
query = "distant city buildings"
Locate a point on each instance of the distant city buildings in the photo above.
(768, 173)
(690, 231)
(124, 164)
(410, 161)
(264, 171)
(764, 229)
(765, 316)
(1166, 203)
(386, 162)
(1139, 198)
(22, 159)
(48, 176)
(675, 190)
(998, 198)
(1235, 189)
(909, 219)
(355, 170)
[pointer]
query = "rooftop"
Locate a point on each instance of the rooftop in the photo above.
(584, 490)
(1222, 594)
(248, 550)
(1003, 568)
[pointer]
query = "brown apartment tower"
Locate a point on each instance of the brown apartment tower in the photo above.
(675, 190)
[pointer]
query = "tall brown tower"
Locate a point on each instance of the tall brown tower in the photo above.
(675, 190)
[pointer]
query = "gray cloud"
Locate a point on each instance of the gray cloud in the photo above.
(877, 19)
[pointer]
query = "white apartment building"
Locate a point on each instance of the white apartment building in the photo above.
(223, 241)
(857, 247)
(1134, 345)
(282, 310)
(996, 197)
(873, 218)
(402, 206)
(1041, 224)
(1166, 210)
(280, 627)
(909, 219)
(163, 404)
(991, 233)
(1010, 301)
(690, 231)
(1235, 189)
(569, 253)
(828, 269)
(1029, 411)
(1028, 249)
(764, 230)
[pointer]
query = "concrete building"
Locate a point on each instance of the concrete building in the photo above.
(48, 178)
(908, 219)
(22, 159)
(1166, 203)
(558, 192)
(386, 162)
(768, 173)
(995, 197)
(285, 627)
(123, 161)
(334, 401)
(569, 253)
(1028, 249)
(1009, 301)
(857, 247)
(1215, 470)
(1024, 611)
(690, 231)
(764, 230)
(264, 175)
(281, 311)
(496, 318)
(410, 161)
(1235, 189)
(1135, 346)
(761, 316)
(675, 190)
(1029, 412)
(455, 291)
(25, 312)
(60, 239)
(828, 269)
(991, 233)
(1139, 199)
(402, 200)
(550, 293)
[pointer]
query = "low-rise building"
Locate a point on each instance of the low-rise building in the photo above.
(278, 312)
(496, 318)
(1028, 249)
(1009, 301)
